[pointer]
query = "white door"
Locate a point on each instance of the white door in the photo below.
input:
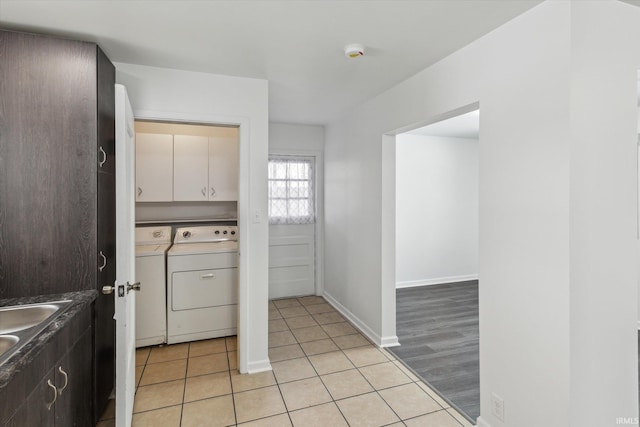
(292, 226)
(190, 168)
(154, 167)
(125, 260)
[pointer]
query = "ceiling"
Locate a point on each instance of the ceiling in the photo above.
(462, 126)
(295, 44)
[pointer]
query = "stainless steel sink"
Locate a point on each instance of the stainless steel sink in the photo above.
(20, 323)
(14, 319)
(6, 342)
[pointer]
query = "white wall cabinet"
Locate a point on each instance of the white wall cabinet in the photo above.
(190, 168)
(205, 168)
(154, 167)
(223, 169)
(186, 168)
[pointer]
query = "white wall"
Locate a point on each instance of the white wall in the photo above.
(286, 136)
(166, 94)
(436, 210)
(557, 136)
(605, 59)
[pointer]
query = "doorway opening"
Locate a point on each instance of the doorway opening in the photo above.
(436, 256)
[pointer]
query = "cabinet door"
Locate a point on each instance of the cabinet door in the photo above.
(223, 169)
(104, 339)
(34, 410)
(154, 167)
(73, 379)
(48, 164)
(190, 167)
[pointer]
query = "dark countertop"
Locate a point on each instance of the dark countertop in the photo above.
(27, 353)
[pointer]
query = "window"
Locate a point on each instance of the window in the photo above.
(291, 180)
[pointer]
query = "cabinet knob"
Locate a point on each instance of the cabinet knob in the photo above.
(213, 191)
(55, 395)
(139, 191)
(204, 191)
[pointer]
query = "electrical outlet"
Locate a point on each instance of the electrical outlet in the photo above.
(497, 406)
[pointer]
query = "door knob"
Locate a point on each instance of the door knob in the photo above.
(133, 287)
(108, 289)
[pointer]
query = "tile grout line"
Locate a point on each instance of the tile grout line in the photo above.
(233, 395)
(376, 390)
(411, 381)
(335, 402)
(399, 385)
(284, 402)
(325, 388)
(184, 391)
(390, 359)
(324, 385)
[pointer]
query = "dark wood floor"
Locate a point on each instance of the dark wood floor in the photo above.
(437, 327)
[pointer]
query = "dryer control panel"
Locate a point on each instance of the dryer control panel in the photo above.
(215, 233)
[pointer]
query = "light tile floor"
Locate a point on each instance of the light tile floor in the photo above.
(325, 373)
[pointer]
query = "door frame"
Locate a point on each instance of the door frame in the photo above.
(318, 155)
(388, 336)
(244, 213)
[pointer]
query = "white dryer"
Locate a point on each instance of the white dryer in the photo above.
(202, 283)
(152, 244)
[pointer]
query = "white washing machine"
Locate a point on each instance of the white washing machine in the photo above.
(202, 283)
(152, 244)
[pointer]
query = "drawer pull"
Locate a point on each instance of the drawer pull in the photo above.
(104, 261)
(208, 276)
(66, 380)
(104, 157)
(55, 395)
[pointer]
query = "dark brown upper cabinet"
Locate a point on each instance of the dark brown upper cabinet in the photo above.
(57, 177)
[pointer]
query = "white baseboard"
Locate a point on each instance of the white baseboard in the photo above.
(436, 281)
(388, 341)
(391, 341)
(480, 422)
(259, 366)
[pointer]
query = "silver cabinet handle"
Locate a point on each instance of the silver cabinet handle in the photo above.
(139, 191)
(55, 395)
(204, 191)
(104, 262)
(208, 276)
(213, 191)
(66, 380)
(104, 157)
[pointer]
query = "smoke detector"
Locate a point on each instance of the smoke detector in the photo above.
(353, 50)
